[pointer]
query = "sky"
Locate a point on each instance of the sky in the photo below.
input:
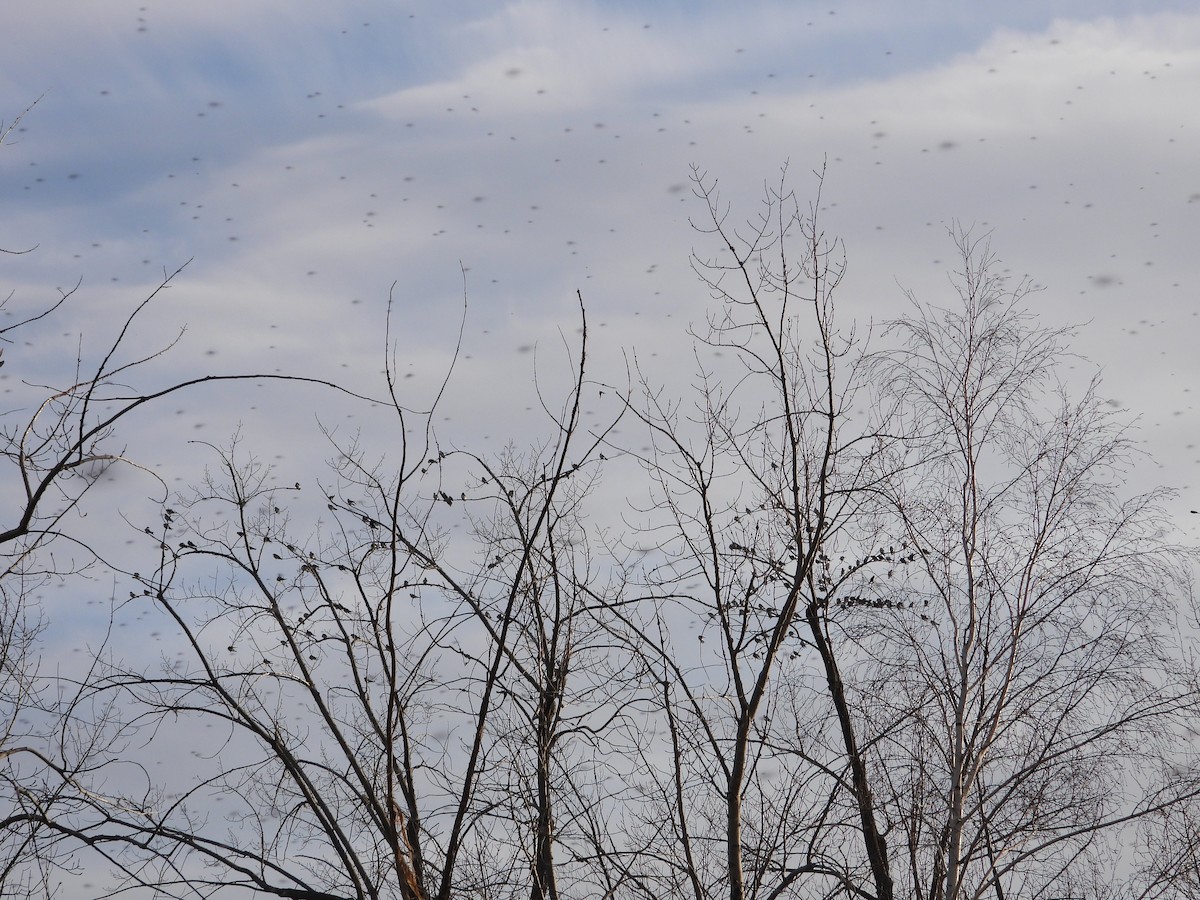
(486, 164)
(306, 156)
(307, 159)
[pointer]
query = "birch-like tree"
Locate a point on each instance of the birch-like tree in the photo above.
(1025, 683)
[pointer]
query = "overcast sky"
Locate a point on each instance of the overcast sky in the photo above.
(305, 155)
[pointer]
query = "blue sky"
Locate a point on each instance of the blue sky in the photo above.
(306, 155)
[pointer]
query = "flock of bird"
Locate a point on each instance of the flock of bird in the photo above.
(542, 149)
(478, 175)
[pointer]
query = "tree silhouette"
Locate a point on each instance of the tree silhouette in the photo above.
(878, 619)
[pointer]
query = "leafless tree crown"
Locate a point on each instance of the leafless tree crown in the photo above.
(879, 619)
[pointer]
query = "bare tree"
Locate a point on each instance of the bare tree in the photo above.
(1026, 687)
(407, 676)
(766, 788)
(57, 748)
(885, 627)
(51, 456)
(1169, 858)
(936, 649)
